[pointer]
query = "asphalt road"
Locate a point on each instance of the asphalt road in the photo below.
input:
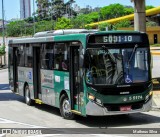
(4, 87)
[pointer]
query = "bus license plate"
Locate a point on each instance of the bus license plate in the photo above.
(125, 108)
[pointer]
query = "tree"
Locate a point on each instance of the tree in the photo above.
(151, 24)
(42, 9)
(69, 10)
(15, 28)
(103, 26)
(122, 24)
(149, 7)
(128, 10)
(63, 23)
(86, 10)
(57, 8)
(112, 11)
(82, 19)
(19, 28)
(43, 26)
(2, 50)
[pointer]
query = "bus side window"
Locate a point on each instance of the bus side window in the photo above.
(20, 55)
(28, 56)
(61, 56)
(47, 56)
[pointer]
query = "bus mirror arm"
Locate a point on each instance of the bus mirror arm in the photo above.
(81, 61)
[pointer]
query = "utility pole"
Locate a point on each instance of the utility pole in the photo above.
(52, 14)
(34, 27)
(3, 33)
(139, 15)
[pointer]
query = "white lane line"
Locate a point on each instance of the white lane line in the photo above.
(104, 135)
(46, 135)
(4, 88)
(2, 135)
(4, 121)
(97, 135)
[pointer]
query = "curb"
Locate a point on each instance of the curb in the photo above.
(155, 53)
(155, 108)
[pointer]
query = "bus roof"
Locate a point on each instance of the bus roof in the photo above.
(64, 35)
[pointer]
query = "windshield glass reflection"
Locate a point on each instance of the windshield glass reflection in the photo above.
(116, 66)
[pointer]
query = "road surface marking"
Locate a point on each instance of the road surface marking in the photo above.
(6, 121)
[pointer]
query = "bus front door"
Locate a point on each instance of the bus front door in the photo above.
(36, 73)
(15, 69)
(75, 80)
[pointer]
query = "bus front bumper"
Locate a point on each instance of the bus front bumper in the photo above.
(93, 109)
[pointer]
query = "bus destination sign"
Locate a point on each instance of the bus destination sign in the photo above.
(118, 39)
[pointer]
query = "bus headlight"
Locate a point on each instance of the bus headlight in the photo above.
(150, 93)
(91, 97)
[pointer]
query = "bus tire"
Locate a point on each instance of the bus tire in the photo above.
(65, 108)
(28, 99)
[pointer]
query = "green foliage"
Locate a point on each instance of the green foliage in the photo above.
(2, 50)
(15, 28)
(129, 10)
(112, 11)
(19, 28)
(54, 9)
(59, 8)
(155, 45)
(63, 23)
(42, 10)
(88, 27)
(52, 17)
(151, 24)
(149, 7)
(103, 26)
(44, 26)
(123, 24)
(81, 20)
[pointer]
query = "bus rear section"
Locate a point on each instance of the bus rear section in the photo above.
(118, 74)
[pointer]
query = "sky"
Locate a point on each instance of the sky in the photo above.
(12, 7)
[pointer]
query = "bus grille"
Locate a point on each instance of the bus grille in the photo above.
(122, 90)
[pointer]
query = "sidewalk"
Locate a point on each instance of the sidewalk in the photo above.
(156, 100)
(156, 94)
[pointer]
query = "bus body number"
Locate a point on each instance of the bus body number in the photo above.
(132, 98)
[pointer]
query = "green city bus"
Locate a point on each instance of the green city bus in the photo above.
(83, 72)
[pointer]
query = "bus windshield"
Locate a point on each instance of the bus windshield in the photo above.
(116, 66)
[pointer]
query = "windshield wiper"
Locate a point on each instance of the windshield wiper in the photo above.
(133, 52)
(110, 55)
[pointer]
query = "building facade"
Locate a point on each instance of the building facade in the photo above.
(25, 9)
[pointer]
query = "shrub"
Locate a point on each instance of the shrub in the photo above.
(2, 50)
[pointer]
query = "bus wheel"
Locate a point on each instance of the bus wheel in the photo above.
(28, 99)
(65, 108)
